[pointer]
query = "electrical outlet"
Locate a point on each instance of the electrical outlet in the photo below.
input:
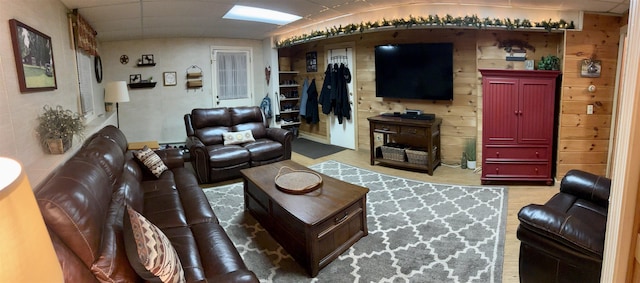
(589, 109)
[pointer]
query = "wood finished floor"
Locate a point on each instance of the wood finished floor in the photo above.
(518, 196)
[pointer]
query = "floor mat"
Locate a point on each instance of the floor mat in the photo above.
(313, 149)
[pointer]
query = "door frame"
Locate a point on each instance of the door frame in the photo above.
(616, 92)
(354, 110)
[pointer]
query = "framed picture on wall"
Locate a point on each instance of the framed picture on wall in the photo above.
(170, 78)
(312, 62)
(34, 58)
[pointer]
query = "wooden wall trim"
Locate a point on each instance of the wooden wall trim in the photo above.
(625, 177)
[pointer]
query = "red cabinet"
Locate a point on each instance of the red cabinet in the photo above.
(517, 125)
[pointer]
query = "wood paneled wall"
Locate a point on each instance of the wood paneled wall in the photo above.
(582, 141)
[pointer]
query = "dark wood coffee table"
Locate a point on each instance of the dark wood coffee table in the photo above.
(315, 228)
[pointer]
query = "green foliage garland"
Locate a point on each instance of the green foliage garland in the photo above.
(431, 20)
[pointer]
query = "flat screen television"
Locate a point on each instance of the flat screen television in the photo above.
(415, 71)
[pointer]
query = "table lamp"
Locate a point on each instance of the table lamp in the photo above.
(116, 92)
(27, 251)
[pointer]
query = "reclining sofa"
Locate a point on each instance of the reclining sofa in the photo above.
(563, 240)
(89, 203)
(217, 154)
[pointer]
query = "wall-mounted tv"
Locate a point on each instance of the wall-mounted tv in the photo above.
(415, 71)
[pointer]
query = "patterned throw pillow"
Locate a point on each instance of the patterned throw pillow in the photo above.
(149, 251)
(238, 137)
(150, 159)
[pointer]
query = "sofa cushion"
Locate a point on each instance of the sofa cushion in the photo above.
(151, 160)
(221, 156)
(112, 264)
(75, 203)
(238, 137)
(149, 251)
(264, 149)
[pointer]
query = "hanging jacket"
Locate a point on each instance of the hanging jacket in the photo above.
(312, 116)
(342, 108)
(325, 93)
(303, 98)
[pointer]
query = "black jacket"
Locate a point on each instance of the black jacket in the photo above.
(325, 93)
(342, 108)
(312, 116)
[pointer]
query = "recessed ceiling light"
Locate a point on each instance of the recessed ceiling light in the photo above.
(246, 13)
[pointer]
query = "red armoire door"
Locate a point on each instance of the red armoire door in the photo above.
(500, 110)
(536, 111)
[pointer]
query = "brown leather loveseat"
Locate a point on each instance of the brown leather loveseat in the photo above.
(563, 240)
(86, 204)
(215, 158)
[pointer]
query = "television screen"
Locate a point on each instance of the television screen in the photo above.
(415, 71)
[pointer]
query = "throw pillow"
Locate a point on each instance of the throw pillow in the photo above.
(238, 137)
(151, 160)
(149, 251)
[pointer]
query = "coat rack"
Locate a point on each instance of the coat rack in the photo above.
(338, 59)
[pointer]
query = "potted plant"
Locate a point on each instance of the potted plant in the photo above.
(470, 152)
(56, 127)
(550, 62)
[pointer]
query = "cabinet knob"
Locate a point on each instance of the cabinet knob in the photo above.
(497, 154)
(497, 170)
(537, 154)
(536, 169)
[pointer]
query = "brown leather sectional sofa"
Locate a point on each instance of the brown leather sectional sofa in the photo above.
(83, 205)
(563, 240)
(214, 161)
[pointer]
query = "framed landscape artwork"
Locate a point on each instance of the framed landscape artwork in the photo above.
(34, 58)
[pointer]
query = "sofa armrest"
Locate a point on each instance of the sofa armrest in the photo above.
(172, 157)
(587, 186)
(193, 142)
(562, 228)
(199, 158)
(282, 136)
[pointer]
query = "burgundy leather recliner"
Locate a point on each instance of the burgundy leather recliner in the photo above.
(563, 240)
(213, 161)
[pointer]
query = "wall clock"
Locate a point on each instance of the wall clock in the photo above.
(97, 64)
(170, 78)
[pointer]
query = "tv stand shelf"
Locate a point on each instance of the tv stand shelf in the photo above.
(411, 132)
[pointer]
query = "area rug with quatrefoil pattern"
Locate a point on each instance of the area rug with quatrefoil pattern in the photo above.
(418, 232)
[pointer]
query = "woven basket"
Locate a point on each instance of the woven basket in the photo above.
(393, 151)
(417, 156)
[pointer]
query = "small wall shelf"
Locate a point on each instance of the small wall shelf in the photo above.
(143, 85)
(146, 64)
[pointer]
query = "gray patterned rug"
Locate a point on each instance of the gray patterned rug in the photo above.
(418, 232)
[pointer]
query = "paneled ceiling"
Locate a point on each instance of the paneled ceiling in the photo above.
(138, 19)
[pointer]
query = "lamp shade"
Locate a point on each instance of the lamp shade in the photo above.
(27, 251)
(116, 92)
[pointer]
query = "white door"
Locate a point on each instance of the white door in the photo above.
(231, 76)
(344, 134)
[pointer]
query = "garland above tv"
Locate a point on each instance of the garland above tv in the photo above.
(447, 21)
